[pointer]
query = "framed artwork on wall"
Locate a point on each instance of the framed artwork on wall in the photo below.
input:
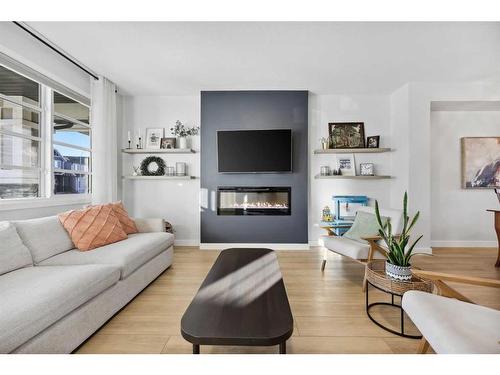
(168, 143)
(480, 162)
(345, 163)
(373, 141)
(153, 137)
(346, 134)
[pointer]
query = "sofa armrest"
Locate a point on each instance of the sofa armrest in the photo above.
(150, 225)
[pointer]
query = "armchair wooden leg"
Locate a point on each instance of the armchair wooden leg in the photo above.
(325, 257)
(423, 346)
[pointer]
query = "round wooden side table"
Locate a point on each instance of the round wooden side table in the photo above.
(376, 277)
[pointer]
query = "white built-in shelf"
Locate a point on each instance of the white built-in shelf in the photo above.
(318, 176)
(352, 150)
(158, 151)
(159, 177)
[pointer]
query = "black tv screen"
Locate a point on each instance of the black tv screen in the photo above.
(254, 151)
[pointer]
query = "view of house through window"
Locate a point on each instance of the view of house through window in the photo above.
(71, 144)
(28, 126)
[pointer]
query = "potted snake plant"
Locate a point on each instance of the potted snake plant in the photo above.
(399, 251)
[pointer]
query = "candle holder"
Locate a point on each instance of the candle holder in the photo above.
(128, 148)
(139, 146)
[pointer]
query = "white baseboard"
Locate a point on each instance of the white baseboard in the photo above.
(464, 243)
(274, 246)
(186, 243)
(423, 250)
(316, 243)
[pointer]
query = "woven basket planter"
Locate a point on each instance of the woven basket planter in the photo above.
(375, 274)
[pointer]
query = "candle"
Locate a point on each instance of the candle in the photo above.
(128, 134)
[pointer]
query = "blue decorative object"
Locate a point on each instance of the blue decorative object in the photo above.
(341, 222)
(348, 199)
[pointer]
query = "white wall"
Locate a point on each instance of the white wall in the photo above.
(374, 111)
(175, 201)
(418, 123)
(400, 142)
(459, 216)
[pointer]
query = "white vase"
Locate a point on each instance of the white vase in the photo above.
(182, 142)
(398, 272)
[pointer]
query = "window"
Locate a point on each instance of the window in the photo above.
(45, 139)
(71, 138)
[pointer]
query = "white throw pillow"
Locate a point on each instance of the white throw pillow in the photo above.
(13, 253)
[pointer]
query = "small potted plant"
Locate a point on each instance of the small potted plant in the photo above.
(399, 252)
(181, 132)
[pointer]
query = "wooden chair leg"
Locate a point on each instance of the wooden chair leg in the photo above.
(325, 257)
(423, 346)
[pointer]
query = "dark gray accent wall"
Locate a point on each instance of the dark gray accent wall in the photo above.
(233, 110)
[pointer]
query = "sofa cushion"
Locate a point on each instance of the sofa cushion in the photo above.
(126, 222)
(44, 237)
(33, 298)
(350, 248)
(452, 326)
(128, 254)
(13, 253)
(92, 227)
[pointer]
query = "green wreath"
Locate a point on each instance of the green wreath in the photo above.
(147, 171)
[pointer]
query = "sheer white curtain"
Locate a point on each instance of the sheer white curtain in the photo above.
(104, 142)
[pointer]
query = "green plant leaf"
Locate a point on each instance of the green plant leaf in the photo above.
(410, 250)
(391, 258)
(415, 218)
(377, 215)
(405, 212)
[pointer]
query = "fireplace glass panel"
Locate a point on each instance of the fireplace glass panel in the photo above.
(254, 201)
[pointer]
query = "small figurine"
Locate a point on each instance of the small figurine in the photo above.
(327, 214)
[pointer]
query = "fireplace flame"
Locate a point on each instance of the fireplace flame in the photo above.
(246, 205)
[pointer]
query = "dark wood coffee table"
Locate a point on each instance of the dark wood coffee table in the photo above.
(241, 302)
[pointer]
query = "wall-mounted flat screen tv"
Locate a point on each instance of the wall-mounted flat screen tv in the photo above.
(254, 151)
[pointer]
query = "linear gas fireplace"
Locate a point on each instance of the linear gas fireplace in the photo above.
(245, 200)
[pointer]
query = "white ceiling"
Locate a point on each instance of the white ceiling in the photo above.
(167, 58)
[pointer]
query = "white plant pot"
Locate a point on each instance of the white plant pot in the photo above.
(397, 272)
(182, 142)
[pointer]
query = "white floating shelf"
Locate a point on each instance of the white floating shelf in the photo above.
(352, 150)
(158, 151)
(318, 176)
(159, 177)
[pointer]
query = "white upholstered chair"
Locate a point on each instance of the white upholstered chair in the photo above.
(360, 251)
(450, 322)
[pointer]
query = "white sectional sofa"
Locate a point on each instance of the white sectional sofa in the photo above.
(53, 297)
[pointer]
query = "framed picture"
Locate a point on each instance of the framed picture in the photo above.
(366, 169)
(153, 137)
(346, 164)
(347, 134)
(480, 162)
(168, 143)
(373, 141)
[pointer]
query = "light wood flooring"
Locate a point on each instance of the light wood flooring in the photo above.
(328, 308)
